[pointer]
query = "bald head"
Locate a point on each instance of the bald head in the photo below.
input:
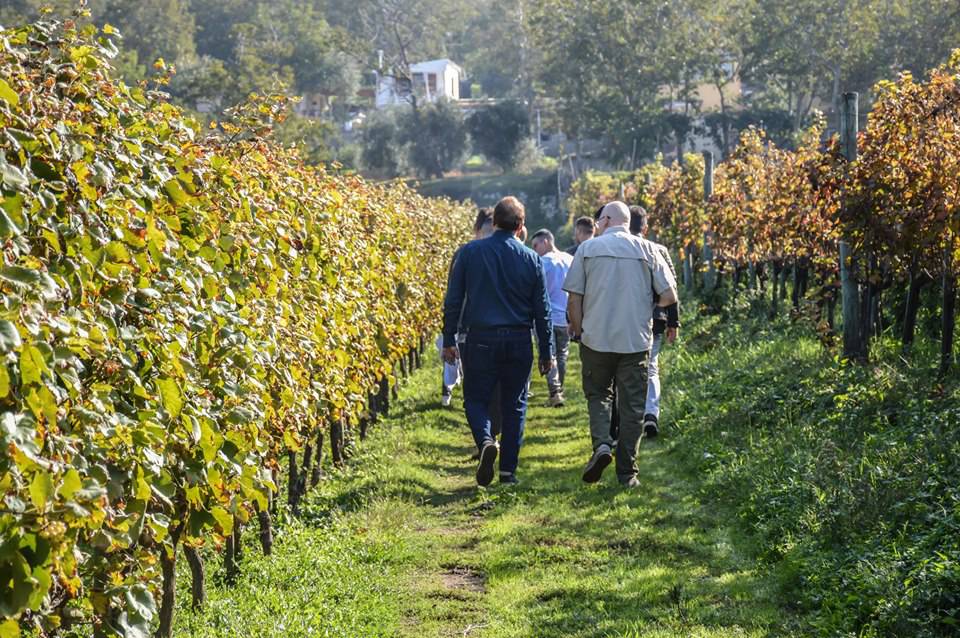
(617, 212)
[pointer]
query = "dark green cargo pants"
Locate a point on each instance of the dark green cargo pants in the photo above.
(629, 371)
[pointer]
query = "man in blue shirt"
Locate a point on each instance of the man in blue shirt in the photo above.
(556, 264)
(498, 285)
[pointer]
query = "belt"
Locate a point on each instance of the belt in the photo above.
(499, 331)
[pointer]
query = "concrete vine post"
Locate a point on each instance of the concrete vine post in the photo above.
(710, 278)
(854, 344)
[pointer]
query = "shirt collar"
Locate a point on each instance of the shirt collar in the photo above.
(503, 234)
(616, 229)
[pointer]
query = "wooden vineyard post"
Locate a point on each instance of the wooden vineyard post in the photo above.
(854, 345)
(383, 397)
(197, 578)
(230, 568)
(776, 267)
(710, 278)
(918, 278)
(266, 526)
(317, 470)
(293, 480)
(336, 442)
(168, 593)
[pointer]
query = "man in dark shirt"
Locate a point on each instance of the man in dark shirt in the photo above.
(583, 229)
(452, 374)
(498, 285)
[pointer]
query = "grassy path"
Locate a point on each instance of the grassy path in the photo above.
(405, 544)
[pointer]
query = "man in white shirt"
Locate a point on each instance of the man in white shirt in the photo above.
(556, 264)
(611, 287)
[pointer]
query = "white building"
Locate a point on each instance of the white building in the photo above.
(429, 81)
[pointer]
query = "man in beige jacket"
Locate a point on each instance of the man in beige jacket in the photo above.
(611, 287)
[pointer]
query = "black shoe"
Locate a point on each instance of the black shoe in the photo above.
(600, 460)
(488, 455)
(650, 426)
(508, 478)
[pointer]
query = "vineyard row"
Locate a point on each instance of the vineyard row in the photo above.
(887, 197)
(181, 310)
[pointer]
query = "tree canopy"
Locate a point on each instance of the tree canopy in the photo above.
(630, 72)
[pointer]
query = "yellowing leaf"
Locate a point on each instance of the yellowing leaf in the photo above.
(9, 628)
(32, 365)
(41, 490)
(143, 488)
(4, 381)
(7, 94)
(70, 484)
(193, 495)
(224, 519)
(171, 396)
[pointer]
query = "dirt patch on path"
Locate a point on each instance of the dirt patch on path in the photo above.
(463, 579)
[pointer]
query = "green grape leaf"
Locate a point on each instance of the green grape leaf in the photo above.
(9, 336)
(12, 176)
(43, 579)
(18, 275)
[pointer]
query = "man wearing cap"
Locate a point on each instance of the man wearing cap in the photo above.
(611, 287)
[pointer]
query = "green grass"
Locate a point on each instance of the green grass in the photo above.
(403, 543)
(844, 476)
(791, 494)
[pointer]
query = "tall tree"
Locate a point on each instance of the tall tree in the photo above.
(498, 132)
(406, 31)
(436, 136)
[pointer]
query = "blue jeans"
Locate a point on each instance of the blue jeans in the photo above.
(503, 356)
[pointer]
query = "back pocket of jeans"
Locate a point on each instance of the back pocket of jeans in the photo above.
(479, 355)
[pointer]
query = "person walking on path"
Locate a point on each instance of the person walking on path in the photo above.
(666, 325)
(583, 229)
(452, 372)
(611, 286)
(556, 264)
(498, 286)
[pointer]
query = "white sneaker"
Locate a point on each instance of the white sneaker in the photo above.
(445, 400)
